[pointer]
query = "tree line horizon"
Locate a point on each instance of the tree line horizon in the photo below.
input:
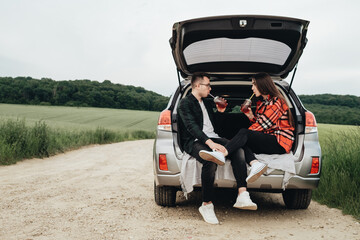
(328, 108)
(78, 93)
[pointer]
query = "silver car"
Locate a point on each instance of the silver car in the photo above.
(231, 49)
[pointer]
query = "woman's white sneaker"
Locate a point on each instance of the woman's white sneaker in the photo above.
(214, 156)
(257, 169)
(207, 212)
(243, 201)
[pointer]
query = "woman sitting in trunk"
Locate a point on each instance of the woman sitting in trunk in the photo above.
(271, 131)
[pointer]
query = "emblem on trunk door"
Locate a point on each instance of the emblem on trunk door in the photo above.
(242, 23)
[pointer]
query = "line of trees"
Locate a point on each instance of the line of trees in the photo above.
(332, 99)
(335, 114)
(328, 108)
(82, 93)
(334, 109)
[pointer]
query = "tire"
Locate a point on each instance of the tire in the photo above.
(297, 198)
(165, 196)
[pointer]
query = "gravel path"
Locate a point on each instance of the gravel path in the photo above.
(106, 192)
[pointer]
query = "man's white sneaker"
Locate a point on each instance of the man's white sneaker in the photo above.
(243, 201)
(207, 212)
(257, 169)
(216, 157)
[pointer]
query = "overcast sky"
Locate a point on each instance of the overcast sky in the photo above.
(126, 41)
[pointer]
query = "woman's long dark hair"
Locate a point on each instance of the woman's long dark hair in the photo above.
(266, 86)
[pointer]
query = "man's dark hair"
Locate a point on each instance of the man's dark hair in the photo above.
(197, 77)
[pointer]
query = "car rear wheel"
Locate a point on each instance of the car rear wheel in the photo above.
(165, 196)
(297, 198)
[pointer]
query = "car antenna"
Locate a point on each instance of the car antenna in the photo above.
(292, 79)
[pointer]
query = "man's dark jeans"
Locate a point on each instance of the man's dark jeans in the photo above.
(209, 168)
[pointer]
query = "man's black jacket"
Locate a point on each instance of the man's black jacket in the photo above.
(190, 121)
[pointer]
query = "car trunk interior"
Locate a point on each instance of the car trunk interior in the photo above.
(233, 118)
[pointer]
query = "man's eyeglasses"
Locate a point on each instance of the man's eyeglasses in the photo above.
(207, 85)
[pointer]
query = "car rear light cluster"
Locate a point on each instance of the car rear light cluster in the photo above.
(164, 122)
(310, 123)
(315, 165)
(163, 162)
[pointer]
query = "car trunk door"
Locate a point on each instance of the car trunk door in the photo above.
(238, 45)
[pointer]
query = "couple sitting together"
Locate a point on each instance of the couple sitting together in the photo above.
(271, 132)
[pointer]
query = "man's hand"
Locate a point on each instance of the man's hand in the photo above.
(215, 146)
(221, 104)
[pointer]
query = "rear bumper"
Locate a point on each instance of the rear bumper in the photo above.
(168, 180)
(275, 182)
(264, 183)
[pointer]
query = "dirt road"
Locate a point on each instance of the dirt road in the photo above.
(106, 192)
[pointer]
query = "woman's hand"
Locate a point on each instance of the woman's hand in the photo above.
(250, 114)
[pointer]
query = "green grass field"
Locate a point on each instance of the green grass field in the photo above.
(84, 118)
(39, 131)
(340, 179)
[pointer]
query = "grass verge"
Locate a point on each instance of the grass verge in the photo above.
(339, 185)
(19, 141)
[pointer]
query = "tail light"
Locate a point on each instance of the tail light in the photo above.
(315, 165)
(310, 123)
(164, 122)
(163, 162)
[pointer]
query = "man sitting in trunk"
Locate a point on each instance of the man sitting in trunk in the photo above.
(197, 122)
